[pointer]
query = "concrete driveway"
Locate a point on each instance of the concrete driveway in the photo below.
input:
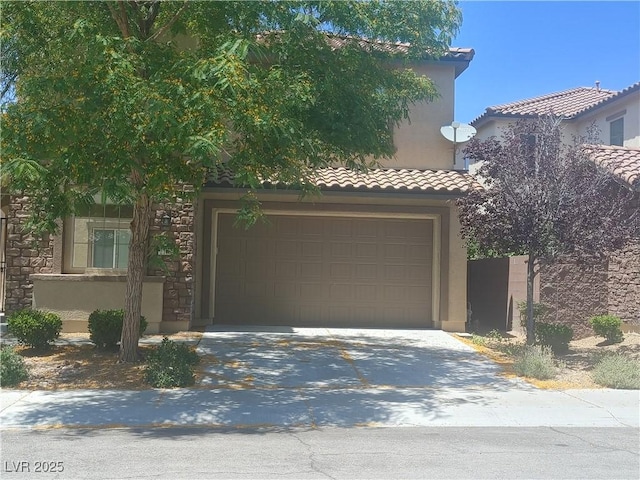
(332, 359)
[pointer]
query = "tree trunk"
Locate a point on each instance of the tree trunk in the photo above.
(531, 275)
(136, 269)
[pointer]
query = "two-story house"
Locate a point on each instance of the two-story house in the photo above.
(375, 249)
(613, 287)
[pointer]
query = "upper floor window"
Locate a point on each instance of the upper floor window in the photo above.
(616, 132)
(98, 238)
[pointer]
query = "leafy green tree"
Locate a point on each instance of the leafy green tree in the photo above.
(134, 99)
(546, 199)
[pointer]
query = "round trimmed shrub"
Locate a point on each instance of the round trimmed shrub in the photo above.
(35, 328)
(171, 365)
(608, 326)
(105, 327)
(12, 367)
(554, 335)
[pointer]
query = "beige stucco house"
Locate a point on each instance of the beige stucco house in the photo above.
(612, 287)
(380, 249)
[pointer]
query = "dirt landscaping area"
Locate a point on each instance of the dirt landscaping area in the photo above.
(74, 365)
(574, 367)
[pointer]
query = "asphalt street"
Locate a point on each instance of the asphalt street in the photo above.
(353, 453)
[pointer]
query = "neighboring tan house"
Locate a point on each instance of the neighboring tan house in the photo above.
(612, 287)
(380, 249)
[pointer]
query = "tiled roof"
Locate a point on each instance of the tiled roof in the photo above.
(395, 48)
(623, 162)
(447, 182)
(455, 54)
(568, 103)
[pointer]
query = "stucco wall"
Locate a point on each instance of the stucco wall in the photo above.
(630, 104)
(456, 315)
(74, 297)
(419, 142)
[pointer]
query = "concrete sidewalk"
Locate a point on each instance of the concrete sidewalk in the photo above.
(311, 408)
(283, 378)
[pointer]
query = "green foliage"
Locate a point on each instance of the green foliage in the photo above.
(554, 335)
(478, 340)
(12, 367)
(608, 326)
(162, 248)
(35, 328)
(171, 365)
(617, 371)
(105, 327)
(535, 362)
(539, 311)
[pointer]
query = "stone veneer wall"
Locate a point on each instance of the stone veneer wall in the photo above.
(23, 256)
(179, 287)
(624, 284)
(574, 294)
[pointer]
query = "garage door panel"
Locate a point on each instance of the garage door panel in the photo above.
(288, 226)
(341, 227)
(366, 250)
(310, 270)
(366, 271)
(316, 271)
(342, 249)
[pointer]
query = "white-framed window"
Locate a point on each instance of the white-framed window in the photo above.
(109, 248)
(97, 240)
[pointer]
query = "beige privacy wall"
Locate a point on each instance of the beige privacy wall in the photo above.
(74, 297)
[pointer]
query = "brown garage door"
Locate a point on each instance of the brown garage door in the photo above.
(324, 271)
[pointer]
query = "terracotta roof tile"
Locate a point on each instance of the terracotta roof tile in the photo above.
(392, 48)
(446, 182)
(568, 103)
(623, 162)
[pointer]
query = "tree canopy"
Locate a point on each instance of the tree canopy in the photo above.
(545, 198)
(132, 99)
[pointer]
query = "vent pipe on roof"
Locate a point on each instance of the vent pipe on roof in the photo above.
(597, 85)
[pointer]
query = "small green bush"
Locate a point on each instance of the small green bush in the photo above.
(617, 371)
(35, 328)
(608, 326)
(171, 365)
(554, 335)
(535, 361)
(478, 340)
(105, 327)
(12, 367)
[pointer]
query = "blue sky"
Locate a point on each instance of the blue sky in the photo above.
(526, 49)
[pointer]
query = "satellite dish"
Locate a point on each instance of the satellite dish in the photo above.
(458, 132)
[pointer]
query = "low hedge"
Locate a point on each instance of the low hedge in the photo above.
(105, 327)
(35, 328)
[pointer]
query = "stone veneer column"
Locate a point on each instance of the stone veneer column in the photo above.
(624, 284)
(24, 256)
(178, 295)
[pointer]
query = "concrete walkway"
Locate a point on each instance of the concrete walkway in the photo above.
(283, 377)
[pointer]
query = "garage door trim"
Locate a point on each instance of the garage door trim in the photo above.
(435, 218)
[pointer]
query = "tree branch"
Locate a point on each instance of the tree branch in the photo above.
(121, 21)
(168, 25)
